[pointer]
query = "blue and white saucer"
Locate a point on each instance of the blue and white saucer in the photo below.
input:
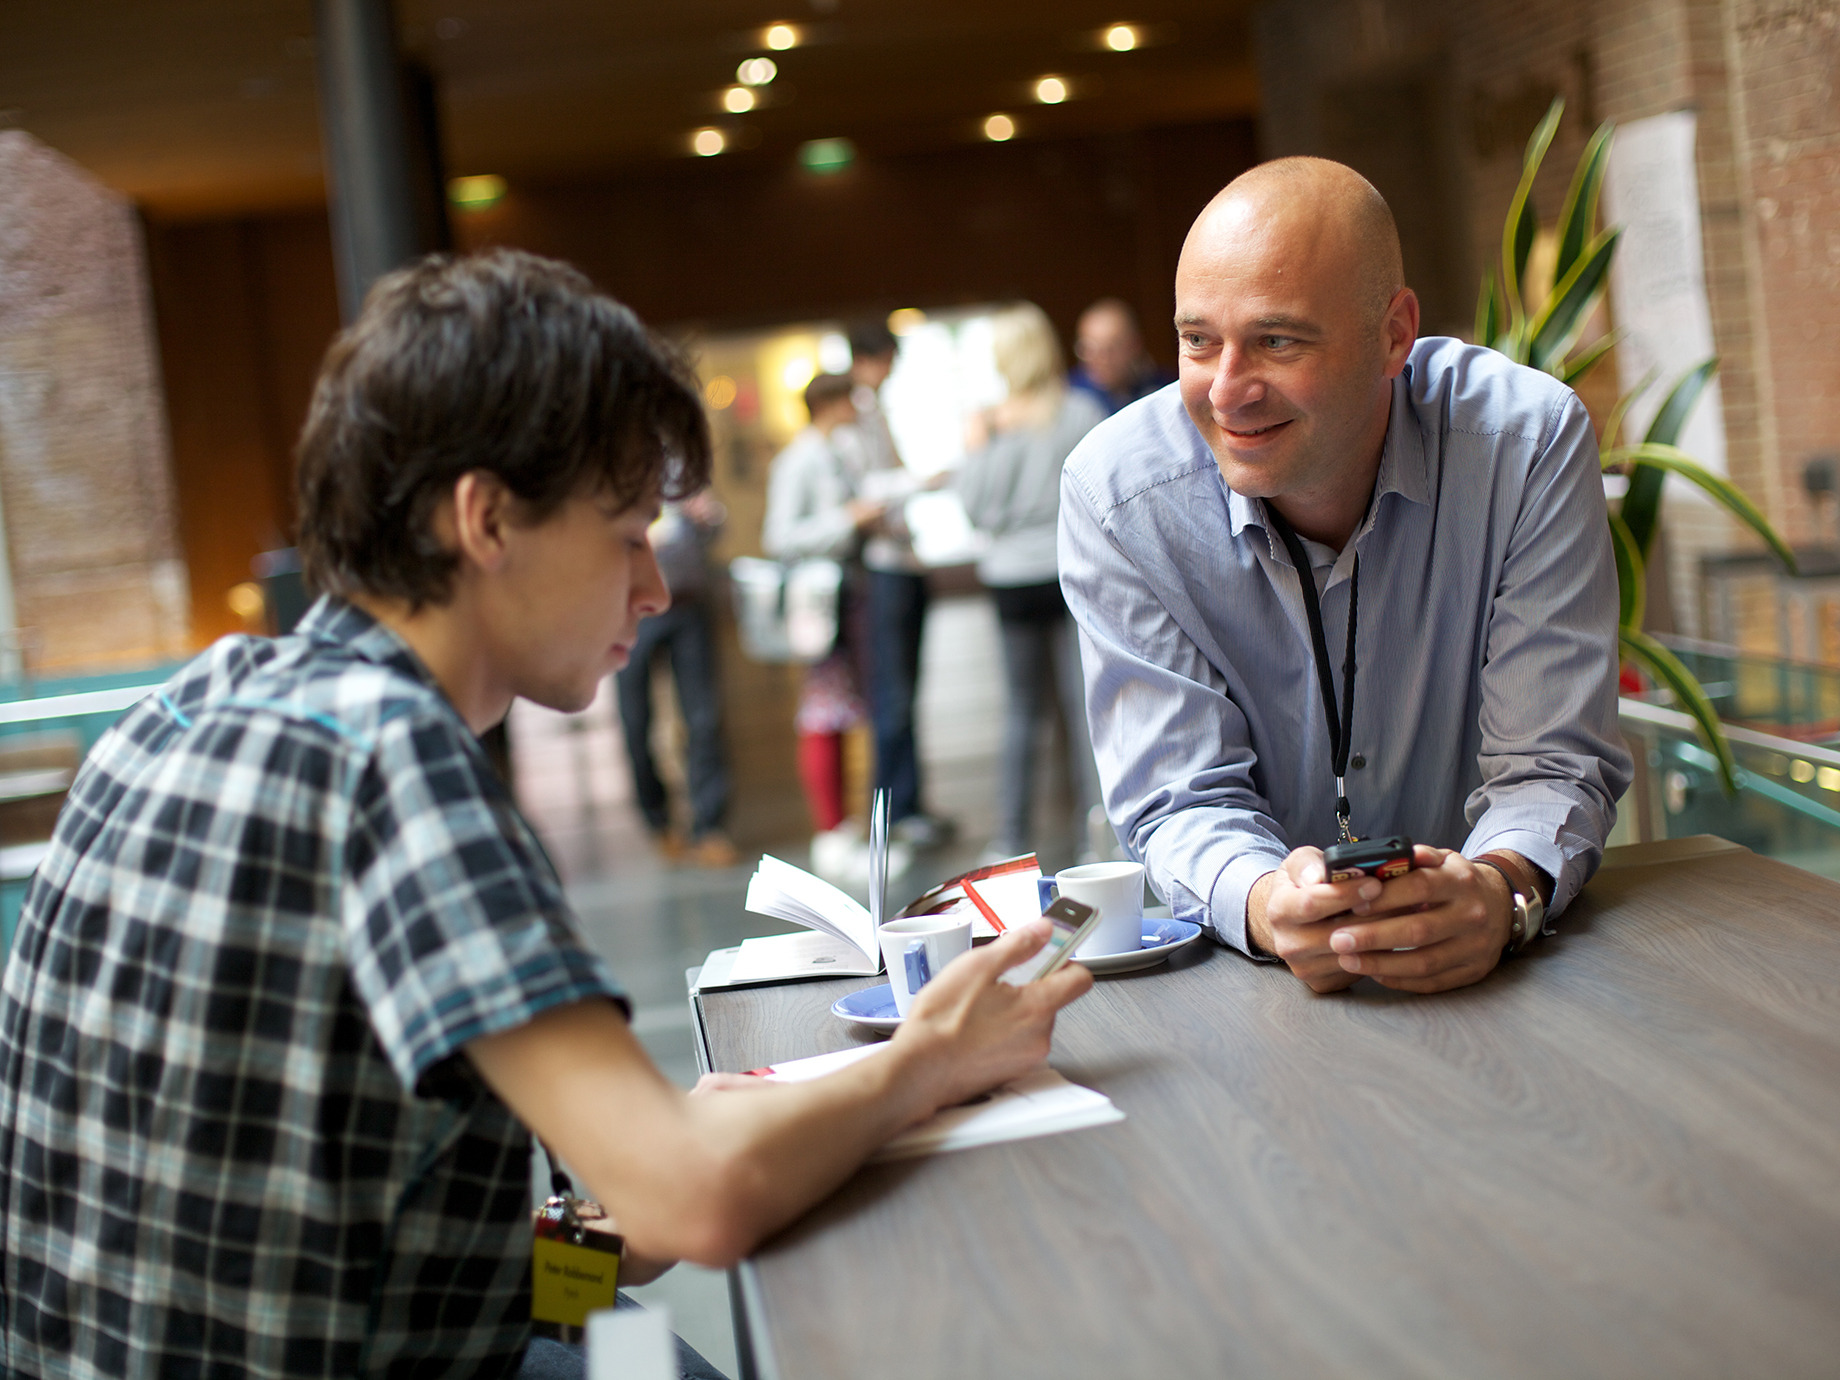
(1161, 938)
(873, 1007)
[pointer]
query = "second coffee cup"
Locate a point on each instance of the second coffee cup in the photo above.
(1116, 891)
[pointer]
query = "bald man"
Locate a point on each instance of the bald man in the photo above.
(1342, 581)
(1114, 367)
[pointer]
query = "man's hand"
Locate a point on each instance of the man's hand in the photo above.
(1449, 915)
(974, 1032)
(1290, 915)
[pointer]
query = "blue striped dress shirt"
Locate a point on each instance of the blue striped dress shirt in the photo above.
(1485, 702)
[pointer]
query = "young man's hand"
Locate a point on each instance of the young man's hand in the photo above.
(973, 1032)
(1449, 916)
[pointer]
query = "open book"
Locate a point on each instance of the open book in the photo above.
(1041, 1103)
(839, 938)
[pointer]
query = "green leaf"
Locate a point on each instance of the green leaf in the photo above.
(1665, 667)
(1665, 429)
(1517, 232)
(1573, 296)
(1488, 318)
(1613, 428)
(1579, 365)
(1631, 580)
(1658, 459)
(1579, 213)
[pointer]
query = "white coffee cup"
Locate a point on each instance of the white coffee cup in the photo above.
(917, 950)
(1116, 891)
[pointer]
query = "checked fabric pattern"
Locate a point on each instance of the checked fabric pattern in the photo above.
(235, 1138)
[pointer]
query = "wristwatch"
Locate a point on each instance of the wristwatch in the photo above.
(1529, 910)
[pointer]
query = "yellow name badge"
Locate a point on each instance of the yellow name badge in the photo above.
(569, 1282)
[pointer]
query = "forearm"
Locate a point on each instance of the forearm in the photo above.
(694, 1178)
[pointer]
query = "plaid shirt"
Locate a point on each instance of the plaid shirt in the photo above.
(235, 1138)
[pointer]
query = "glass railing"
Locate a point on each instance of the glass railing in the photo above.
(1788, 801)
(1792, 699)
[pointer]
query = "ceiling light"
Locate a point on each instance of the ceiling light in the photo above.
(1121, 38)
(904, 319)
(1050, 90)
(757, 71)
(998, 128)
(476, 193)
(827, 155)
(708, 142)
(738, 100)
(781, 37)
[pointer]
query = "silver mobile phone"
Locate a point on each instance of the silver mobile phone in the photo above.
(1072, 921)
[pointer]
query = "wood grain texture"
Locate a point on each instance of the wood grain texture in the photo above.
(1617, 1156)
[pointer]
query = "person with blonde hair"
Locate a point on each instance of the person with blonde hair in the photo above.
(1010, 485)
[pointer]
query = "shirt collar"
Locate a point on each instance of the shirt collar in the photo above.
(357, 633)
(1402, 471)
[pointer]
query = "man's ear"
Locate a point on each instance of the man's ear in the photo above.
(477, 519)
(1399, 330)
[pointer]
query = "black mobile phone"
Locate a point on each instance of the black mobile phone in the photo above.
(1072, 921)
(1382, 858)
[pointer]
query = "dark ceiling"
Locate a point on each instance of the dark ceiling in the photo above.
(206, 107)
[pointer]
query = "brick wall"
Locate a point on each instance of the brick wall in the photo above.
(1762, 76)
(85, 484)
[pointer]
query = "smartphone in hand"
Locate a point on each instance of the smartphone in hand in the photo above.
(1383, 858)
(1072, 922)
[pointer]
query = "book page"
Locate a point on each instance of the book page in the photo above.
(778, 957)
(791, 893)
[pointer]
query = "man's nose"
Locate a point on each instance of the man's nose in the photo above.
(650, 594)
(1236, 382)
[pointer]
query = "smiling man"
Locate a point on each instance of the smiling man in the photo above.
(1445, 667)
(296, 983)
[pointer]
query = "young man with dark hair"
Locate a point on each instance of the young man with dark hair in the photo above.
(295, 982)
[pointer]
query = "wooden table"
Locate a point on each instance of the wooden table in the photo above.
(1617, 1156)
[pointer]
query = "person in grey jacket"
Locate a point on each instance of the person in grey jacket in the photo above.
(814, 508)
(1010, 485)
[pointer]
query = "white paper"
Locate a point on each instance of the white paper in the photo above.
(1007, 887)
(1039, 1104)
(1658, 279)
(1013, 896)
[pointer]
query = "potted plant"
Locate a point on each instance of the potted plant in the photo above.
(1545, 333)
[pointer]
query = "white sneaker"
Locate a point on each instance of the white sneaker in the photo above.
(833, 853)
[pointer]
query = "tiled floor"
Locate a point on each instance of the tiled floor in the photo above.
(651, 922)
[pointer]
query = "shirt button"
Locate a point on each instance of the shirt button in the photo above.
(1357, 761)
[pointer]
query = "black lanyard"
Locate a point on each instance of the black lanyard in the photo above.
(1341, 730)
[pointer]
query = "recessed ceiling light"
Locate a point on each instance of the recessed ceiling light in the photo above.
(999, 128)
(781, 37)
(738, 100)
(708, 142)
(476, 193)
(757, 71)
(1121, 38)
(1050, 90)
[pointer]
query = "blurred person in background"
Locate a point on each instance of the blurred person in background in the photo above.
(1114, 367)
(680, 541)
(1010, 485)
(897, 591)
(815, 508)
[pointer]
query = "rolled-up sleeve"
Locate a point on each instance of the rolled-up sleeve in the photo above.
(1173, 749)
(1552, 759)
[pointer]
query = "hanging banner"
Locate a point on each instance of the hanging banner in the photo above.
(1658, 281)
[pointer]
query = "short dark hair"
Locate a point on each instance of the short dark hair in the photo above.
(827, 390)
(871, 339)
(500, 362)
